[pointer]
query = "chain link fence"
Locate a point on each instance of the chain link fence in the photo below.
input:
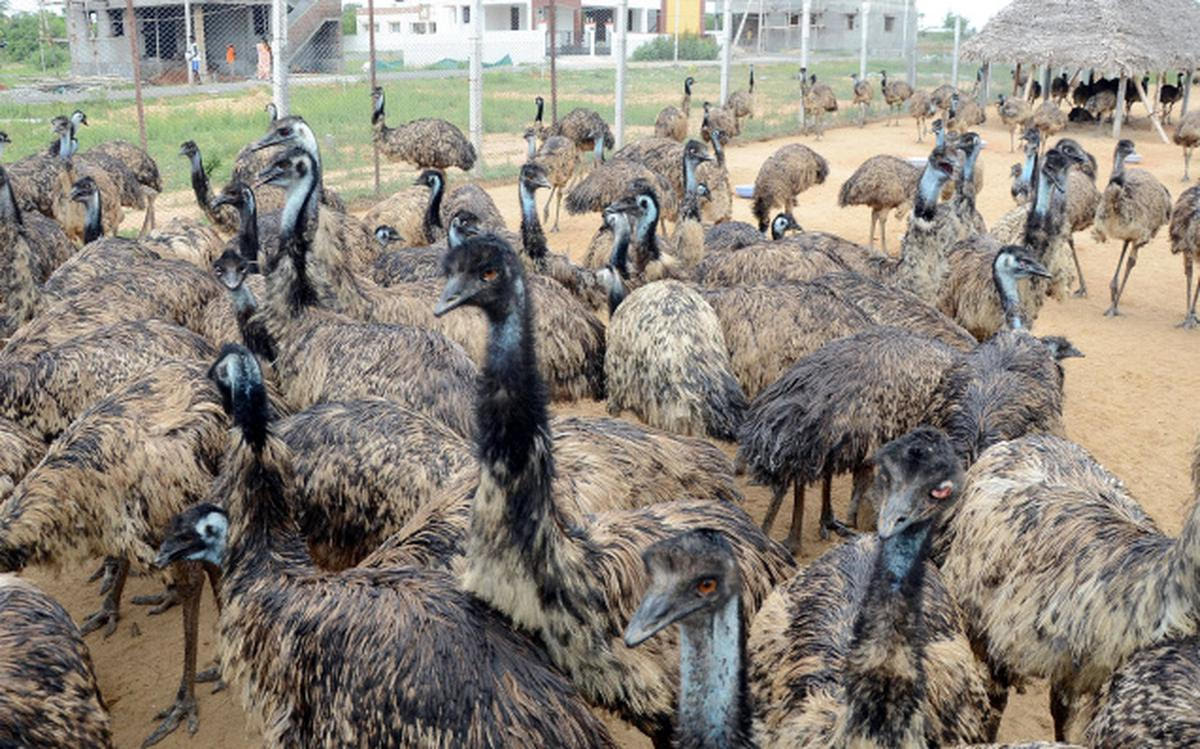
(206, 72)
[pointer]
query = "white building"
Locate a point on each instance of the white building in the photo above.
(426, 33)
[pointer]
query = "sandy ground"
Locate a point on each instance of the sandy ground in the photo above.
(1127, 402)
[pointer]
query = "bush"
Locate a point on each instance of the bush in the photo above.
(691, 47)
(20, 34)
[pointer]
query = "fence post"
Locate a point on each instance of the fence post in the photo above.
(553, 11)
(1119, 112)
(132, 32)
(279, 57)
(957, 39)
(677, 9)
(622, 31)
(862, 54)
(476, 83)
(371, 65)
(761, 17)
(805, 20)
(727, 52)
(187, 37)
(912, 47)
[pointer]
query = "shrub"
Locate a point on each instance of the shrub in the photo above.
(691, 47)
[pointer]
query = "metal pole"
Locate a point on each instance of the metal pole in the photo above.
(904, 38)
(726, 53)
(1187, 92)
(805, 20)
(761, 14)
(862, 54)
(912, 48)
(552, 10)
(187, 34)
(957, 38)
(371, 63)
(136, 57)
(1119, 112)
(279, 57)
(476, 82)
(675, 5)
(619, 113)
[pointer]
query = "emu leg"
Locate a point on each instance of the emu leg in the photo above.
(1187, 160)
(148, 220)
(189, 581)
(795, 533)
(773, 508)
(1061, 702)
(862, 485)
(1189, 318)
(1132, 261)
(883, 230)
(829, 521)
(1082, 290)
(1112, 285)
(212, 674)
(557, 208)
(874, 218)
(549, 198)
(106, 573)
(109, 612)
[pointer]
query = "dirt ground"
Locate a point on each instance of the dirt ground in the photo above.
(1127, 402)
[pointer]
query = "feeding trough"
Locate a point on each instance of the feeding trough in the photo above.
(745, 191)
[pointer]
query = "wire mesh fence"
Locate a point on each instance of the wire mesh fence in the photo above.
(208, 67)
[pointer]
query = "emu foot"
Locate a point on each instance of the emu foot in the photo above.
(184, 707)
(1081, 292)
(106, 617)
(212, 675)
(1112, 312)
(159, 602)
(1188, 323)
(839, 528)
(106, 573)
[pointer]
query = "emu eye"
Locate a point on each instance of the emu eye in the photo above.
(489, 275)
(707, 586)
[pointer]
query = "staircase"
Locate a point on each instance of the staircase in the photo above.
(311, 51)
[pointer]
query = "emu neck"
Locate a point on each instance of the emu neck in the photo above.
(1045, 190)
(377, 114)
(64, 146)
(1010, 298)
(10, 212)
(1118, 172)
(689, 175)
(647, 237)
(433, 210)
(297, 226)
(532, 236)
(1185, 559)
(928, 188)
(200, 184)
(885, 673)
(248, 244)
(531, 146)
(92, 229)
(719, 151)
(712, 679)
(255, 335)
(1027, 168)
(686, 104)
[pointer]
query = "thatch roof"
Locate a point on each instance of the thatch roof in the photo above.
(1111, 35)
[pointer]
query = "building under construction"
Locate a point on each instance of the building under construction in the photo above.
(834, 25)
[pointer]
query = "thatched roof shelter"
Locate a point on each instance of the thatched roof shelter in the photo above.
(1118, 36)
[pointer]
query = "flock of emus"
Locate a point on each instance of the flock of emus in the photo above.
(408, 549)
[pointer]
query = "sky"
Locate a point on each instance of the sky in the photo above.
(977, 12)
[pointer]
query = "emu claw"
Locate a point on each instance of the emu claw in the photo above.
(106, 573)
(102, 618)
(212, 675)
(1188, 323)
(1112, 312)
(159, 601)
(839, 528)
(1080, 293)
(184, 707)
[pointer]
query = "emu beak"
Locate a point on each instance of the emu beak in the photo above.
(221, 200)
(1070, 352)
(1034, 268)
(269, 175)
(543, 182)
(652, 616)
(454, 295)
(175, 549)
(270, 139)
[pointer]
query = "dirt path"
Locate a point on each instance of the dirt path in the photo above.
(1128, 402)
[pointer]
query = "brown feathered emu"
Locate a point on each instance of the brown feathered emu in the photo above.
(109, 485)
(895, 93)
(866, 646)
(885, 183)
(571, 581)
(46, 392)
(1187, 136)
(294, 638)
(672, 121)
(558, 157)
(31, 247)
(814, 422)
(819, 100)
(20, 450)
(49, 696)
(1008, 387)
(668, 363)
(1133, 207)
(785, 174)
(1061, 573)
(1153, 700)
(1184, 232)
(427, 143)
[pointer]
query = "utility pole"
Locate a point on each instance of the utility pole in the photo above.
(187, 37)
(476, 83)
(553, 11)
(862, 55)
(675, 5)
(805, 22)
(622, 34)
(727, 52)
(954, 63)
(371, 63)
(132, 32)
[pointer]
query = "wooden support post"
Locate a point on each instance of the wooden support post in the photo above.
(1187, 92)
(131, 30)
(1141, 92)
(1119, 112)
(1029, 82)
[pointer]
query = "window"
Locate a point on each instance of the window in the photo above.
(466, 14)
(889, 24)
(116, 22)
(794, 19)
(394, 27)
(814, 20)
(850, 21)
(421, 27)
(262, 20)
(629, 22)
(514, 18)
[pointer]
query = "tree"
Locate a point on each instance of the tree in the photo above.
(349, 22)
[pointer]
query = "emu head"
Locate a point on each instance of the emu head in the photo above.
(231, 269)
(482, 272)
(691, 574)
(198, 533)
(918, 476)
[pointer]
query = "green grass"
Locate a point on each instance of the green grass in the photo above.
(340, 113)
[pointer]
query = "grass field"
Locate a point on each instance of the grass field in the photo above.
(340, 113)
